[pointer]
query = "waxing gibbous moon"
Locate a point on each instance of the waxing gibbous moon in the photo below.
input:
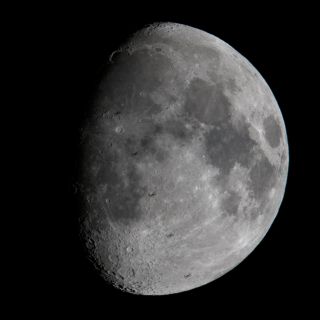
(184, 162)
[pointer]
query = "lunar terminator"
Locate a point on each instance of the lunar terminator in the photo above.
(184, 162)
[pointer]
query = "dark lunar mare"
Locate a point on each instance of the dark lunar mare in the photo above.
(227, 144)
(118, 200)
(263, 177)
(106, 190)
(206, 102)
(272, 131)
(127, 85)
(231, 204)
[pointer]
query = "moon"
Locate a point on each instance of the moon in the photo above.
(184, 162)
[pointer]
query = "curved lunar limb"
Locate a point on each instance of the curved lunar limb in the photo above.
(184, 162)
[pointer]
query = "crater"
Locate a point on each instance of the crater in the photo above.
(272, 131)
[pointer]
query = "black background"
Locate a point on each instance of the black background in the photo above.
(67, 49)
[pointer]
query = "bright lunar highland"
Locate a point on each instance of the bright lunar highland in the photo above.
(184, 161)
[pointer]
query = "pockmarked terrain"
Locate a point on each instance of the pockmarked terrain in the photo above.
(184, 162)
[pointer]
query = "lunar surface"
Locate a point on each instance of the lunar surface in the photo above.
(184, 162)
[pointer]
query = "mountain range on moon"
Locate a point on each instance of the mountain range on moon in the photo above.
(184, 162)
